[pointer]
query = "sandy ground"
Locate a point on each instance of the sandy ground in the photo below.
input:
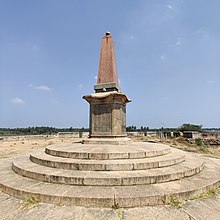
(13, 148)
(182, 144)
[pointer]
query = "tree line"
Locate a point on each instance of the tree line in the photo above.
(44, 130)
(184, 127)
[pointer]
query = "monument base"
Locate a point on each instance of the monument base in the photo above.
(108, 141)
(107, 114)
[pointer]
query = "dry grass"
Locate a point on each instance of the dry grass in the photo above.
(183, 144)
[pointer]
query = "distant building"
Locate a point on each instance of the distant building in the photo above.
(152, 134)
(135, 133)
(85, 134)
(177, 134)
(191, 134)
(68, 134)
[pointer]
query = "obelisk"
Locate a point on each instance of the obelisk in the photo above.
(108, 103)
(107, 79)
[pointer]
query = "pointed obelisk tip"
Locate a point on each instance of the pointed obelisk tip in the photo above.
(107, 79)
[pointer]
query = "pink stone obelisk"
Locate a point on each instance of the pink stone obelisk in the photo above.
(107, 79)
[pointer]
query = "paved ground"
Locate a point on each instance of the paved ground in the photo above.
(15, 209)
(200, 209)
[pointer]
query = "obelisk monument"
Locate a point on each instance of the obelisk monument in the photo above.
(108, 103)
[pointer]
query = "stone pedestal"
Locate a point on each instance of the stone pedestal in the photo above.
(107, 114)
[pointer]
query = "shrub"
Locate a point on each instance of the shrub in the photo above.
(199, 142)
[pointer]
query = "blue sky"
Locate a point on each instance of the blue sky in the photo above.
(168, 60)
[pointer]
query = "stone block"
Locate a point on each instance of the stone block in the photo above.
(118, 166)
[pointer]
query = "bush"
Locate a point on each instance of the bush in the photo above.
(199, 142)
(190, 127)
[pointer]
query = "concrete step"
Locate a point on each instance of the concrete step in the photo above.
(170, 159)
(107, 141)
(106, 196)
(23, 166)
(134, 150)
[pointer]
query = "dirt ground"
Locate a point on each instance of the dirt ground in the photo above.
(184, 144)
(13, 148)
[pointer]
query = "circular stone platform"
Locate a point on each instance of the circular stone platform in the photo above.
(94, 175)
(134, 150)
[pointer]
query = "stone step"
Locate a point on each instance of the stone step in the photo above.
(106, 196)
(134, 150)
(25, 167)
(175, 157)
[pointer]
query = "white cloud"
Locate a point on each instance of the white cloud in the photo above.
(128, 38)
(162, 57)
(166, 98)
(210, 81)
(95, 77)
(131, 37)
(200, 30)
(43, 88)
(81, 86)
(170, 7)
(17, 100)
(178, 43)
(35, 48)
(55, 101)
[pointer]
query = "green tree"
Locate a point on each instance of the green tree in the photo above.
(190, 127)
